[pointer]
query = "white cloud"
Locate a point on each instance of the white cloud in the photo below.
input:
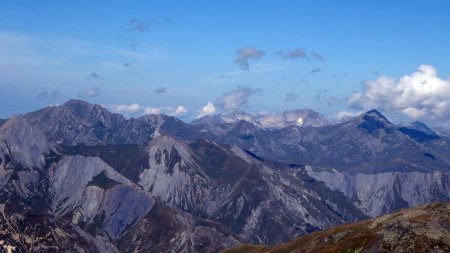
(421, 94)
(136, 109)
(237, 98)
(125, 108)
(344, 115)
(152, 110)
(168, 110)
(180, 110)
(208, 109)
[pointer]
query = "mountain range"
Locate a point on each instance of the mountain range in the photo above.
(78, 178)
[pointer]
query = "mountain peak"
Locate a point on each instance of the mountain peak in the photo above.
(73, 101)
(373, 120)
(375, 114)
(82, 108)
(169, 143)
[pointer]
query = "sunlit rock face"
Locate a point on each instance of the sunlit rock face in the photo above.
(382, 193)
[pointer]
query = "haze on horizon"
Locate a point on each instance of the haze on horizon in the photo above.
(193, 59)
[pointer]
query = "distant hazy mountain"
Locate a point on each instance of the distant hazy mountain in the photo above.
(422, 229)
(419, 126)
(77, 178)
(303, 117)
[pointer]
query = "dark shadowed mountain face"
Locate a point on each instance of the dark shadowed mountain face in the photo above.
(78, 178)
(419, 126)
(418, 135)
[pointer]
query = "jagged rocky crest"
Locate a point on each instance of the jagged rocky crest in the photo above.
(77, 178)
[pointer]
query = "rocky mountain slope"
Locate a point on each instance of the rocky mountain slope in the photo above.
(80, 174)
(422, 229)
(207, 195)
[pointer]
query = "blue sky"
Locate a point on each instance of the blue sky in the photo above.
(176, 56)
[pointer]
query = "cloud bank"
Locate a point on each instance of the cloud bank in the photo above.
(421, 94)
(135, 109)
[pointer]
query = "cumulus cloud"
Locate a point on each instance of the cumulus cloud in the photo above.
(236, 98)
(245, 54)
(136, 109)
(180, 110)
(421, 94)
(291, 96)
(89, 92)
(160, 89)
(208, 109)
(48, 94)
(318, 56)
(292, 54)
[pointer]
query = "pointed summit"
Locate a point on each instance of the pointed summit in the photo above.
(376, 115)
(77, 102)
(373, 120)
(168, 150)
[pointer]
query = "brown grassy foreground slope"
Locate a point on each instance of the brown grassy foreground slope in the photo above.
(421, 229)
